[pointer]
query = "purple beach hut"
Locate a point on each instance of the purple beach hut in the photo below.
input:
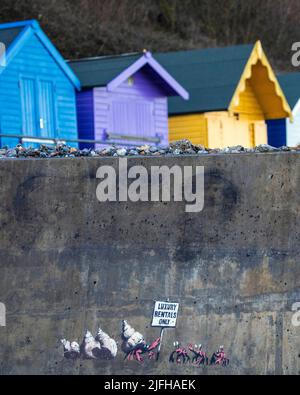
(124, 100)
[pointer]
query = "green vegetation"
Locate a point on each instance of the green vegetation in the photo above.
(83, 28)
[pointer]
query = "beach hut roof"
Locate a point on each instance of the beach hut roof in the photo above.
(7, 36)
(111, 71)
(13, 35)
(290, 84)
(210, 75)
(215, 77)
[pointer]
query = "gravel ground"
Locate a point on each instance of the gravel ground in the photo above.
(183, 147)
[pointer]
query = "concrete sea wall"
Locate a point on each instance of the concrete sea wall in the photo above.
(69, 263)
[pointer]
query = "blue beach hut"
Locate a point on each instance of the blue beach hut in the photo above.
(284, 131)
(37, 87)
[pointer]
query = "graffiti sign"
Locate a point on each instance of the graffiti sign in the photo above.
(165, 315)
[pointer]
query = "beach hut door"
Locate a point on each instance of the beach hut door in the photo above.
(252, 135)
(132, 118)
(29, 108)
(47, 111)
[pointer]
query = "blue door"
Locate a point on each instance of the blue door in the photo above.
(277, 136)
(38, 108)
(29, 107)
(47, 109)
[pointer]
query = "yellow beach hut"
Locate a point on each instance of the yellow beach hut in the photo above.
(233, 91)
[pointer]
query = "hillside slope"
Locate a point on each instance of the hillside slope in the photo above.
(82, 28)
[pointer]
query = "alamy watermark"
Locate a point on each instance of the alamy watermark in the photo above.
(296, 55)
(160, 184)
(2, 314)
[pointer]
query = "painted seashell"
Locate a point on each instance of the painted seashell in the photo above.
(131, 338)
(90, 347)
(136, 338)
(109, 348)
(127, 330)
(71, 350)
(75, 347)
(66, 344)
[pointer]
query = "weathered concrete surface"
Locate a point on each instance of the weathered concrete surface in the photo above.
(69, 263)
